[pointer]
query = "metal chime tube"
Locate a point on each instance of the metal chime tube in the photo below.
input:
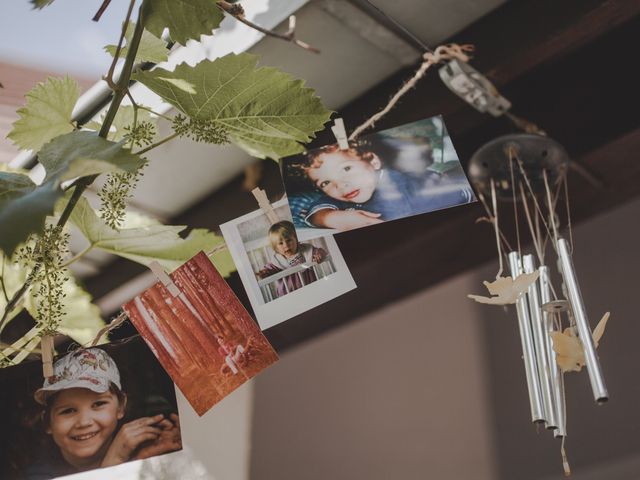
(528, 349)
(539, 339)
(582, 323)
(557, 384)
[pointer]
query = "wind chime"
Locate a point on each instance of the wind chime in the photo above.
(529, 171)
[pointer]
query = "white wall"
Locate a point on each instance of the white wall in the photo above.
(433, 386)
(396, 395)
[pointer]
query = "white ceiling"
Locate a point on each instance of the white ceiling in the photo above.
(357, 53)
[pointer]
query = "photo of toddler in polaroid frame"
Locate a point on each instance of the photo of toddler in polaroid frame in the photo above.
(86, 422)
(284, 274)
(393, 174)
(288, 252)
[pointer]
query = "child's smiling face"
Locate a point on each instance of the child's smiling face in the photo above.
(345, 176)
(82, 423)
(286, 245)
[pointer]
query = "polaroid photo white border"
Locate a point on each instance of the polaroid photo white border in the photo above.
(298, 301)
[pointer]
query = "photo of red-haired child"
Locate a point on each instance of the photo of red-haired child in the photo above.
(392, 174)
(102, 407)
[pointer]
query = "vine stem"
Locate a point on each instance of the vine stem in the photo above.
(238, 13)
(82, 184)
(4, 290)
(142, 107)
(137, 106)
(157, 144)
(77, 256)
(116, 55)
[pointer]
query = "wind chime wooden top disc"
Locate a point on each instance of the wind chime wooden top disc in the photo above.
(532, 153)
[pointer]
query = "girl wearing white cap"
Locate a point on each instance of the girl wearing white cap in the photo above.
(84, 404)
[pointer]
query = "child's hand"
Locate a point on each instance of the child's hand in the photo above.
(318, 255)
(344, 219)
(130, 436)
(169, 440)
(267, 271)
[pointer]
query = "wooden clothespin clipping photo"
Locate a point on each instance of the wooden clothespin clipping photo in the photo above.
(46, 347)
(340, 134)
(265, 205)
(159, 272)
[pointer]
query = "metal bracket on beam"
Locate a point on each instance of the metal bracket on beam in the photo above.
(473, 87)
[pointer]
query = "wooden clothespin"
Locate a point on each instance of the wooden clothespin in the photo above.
(159, 272)
(265, 205)
(340, 134)
(46, 347)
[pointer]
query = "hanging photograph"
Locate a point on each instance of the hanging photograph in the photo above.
(283, 273)
(203, 336)
(392, 174)
(103, 406)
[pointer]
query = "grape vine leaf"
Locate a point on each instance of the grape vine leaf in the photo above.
(47, 113)
(221, 258)
(185, 19)
(264, 111)
(41, 3)
(24, 206)
(123, 121)
(145, 244)
(82, 153)
(151, 48)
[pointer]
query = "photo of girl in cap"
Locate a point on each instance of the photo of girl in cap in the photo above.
(84, 417)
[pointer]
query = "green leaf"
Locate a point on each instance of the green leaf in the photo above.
(222, 259)
(265, 111)
(142, 245)
(14, 185)
(47, 113)
(183, 85)
(151, 48)
(83, 153)
(24, 206)
(82, 320)
(41, 3)
(122, 121)
(186, 19)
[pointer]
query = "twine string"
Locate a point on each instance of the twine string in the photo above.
(568, 208)
(552, 210)
(494, 203)
(490, 218)
(512, 154)
(443, 52)
(534, 237)
(115, 323)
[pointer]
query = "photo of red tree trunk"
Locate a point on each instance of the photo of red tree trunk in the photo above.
(203, 336)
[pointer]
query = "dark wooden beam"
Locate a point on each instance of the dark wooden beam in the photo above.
(511, 41)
